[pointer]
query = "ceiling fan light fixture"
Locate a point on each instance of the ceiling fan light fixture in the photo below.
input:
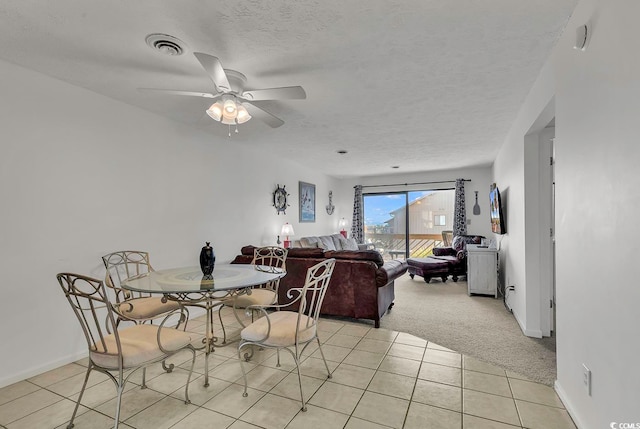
(243, 114)
(228, 121)
(230, 108)
(215, 111)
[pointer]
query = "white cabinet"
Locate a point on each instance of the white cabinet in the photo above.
(482, 270)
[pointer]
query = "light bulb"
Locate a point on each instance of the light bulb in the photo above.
(230, 107)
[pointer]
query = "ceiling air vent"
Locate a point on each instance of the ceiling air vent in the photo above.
(165, 44)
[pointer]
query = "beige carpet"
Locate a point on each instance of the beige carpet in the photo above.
(478, 326)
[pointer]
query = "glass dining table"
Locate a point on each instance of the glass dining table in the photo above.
(188, 286)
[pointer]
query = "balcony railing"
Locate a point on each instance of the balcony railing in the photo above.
(393, 246)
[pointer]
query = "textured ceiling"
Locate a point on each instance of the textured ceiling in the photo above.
(421, 84)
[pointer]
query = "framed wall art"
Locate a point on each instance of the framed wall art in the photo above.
(307, 195)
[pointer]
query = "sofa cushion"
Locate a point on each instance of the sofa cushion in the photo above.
(308, 252)
(247, 250)
(357, 255)
(390, 271)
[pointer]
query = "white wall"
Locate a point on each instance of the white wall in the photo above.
(480, 181)
(597, 201)
(83, 175)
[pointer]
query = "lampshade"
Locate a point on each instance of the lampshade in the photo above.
(228, 121)
(230, 108)
(215, 111)
(287, 229)
(342, 223)
(243, 115)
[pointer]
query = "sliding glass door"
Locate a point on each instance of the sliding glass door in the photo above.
(384, 223)
(400, 233)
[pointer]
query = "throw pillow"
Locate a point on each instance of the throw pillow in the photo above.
(336, 241)
(348, 244)
(458, 243)
(309, 242)
(326, 242)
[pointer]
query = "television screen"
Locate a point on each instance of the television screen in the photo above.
(497, 217)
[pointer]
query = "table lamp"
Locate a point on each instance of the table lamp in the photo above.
(287, 230)
(342, 224)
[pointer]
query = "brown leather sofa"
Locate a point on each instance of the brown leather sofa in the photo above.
(362, 285)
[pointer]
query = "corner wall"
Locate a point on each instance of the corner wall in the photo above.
(82, 175)
(597, 201)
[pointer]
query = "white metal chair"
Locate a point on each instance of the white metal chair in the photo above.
(291, 330)
(137, 307)
(264, 258)
(140, 307)
(112, 351)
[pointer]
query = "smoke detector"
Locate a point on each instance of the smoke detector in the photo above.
(165, 44)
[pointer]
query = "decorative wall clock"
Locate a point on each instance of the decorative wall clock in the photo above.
(280, 199)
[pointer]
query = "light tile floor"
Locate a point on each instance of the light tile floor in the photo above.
(381, 379)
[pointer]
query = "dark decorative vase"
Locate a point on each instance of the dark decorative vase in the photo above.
(207, 260)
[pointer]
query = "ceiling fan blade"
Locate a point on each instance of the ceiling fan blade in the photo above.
(284, 93)
(263, 115)
(213, 67)
(178, 92)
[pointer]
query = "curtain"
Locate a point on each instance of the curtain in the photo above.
(459, 210)
(357, 225)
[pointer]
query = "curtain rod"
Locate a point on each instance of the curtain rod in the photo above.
(416, 183)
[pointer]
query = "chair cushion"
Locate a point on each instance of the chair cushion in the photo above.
(147, 308)
(139, 345)
(258, 297)
(283, 329)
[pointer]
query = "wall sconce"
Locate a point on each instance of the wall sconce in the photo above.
(342, 224)
(287, 230)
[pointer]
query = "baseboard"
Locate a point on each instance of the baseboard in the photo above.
(32, 372)
(535, 333)
(567, 405)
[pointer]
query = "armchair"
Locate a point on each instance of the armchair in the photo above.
(456, 254)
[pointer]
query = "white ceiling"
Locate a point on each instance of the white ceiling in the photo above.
(421, 84)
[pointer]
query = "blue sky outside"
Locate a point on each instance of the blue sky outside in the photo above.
(378, 207)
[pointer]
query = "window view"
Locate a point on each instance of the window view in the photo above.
(397, 232)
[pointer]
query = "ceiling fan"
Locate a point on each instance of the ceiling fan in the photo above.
(233, 104)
